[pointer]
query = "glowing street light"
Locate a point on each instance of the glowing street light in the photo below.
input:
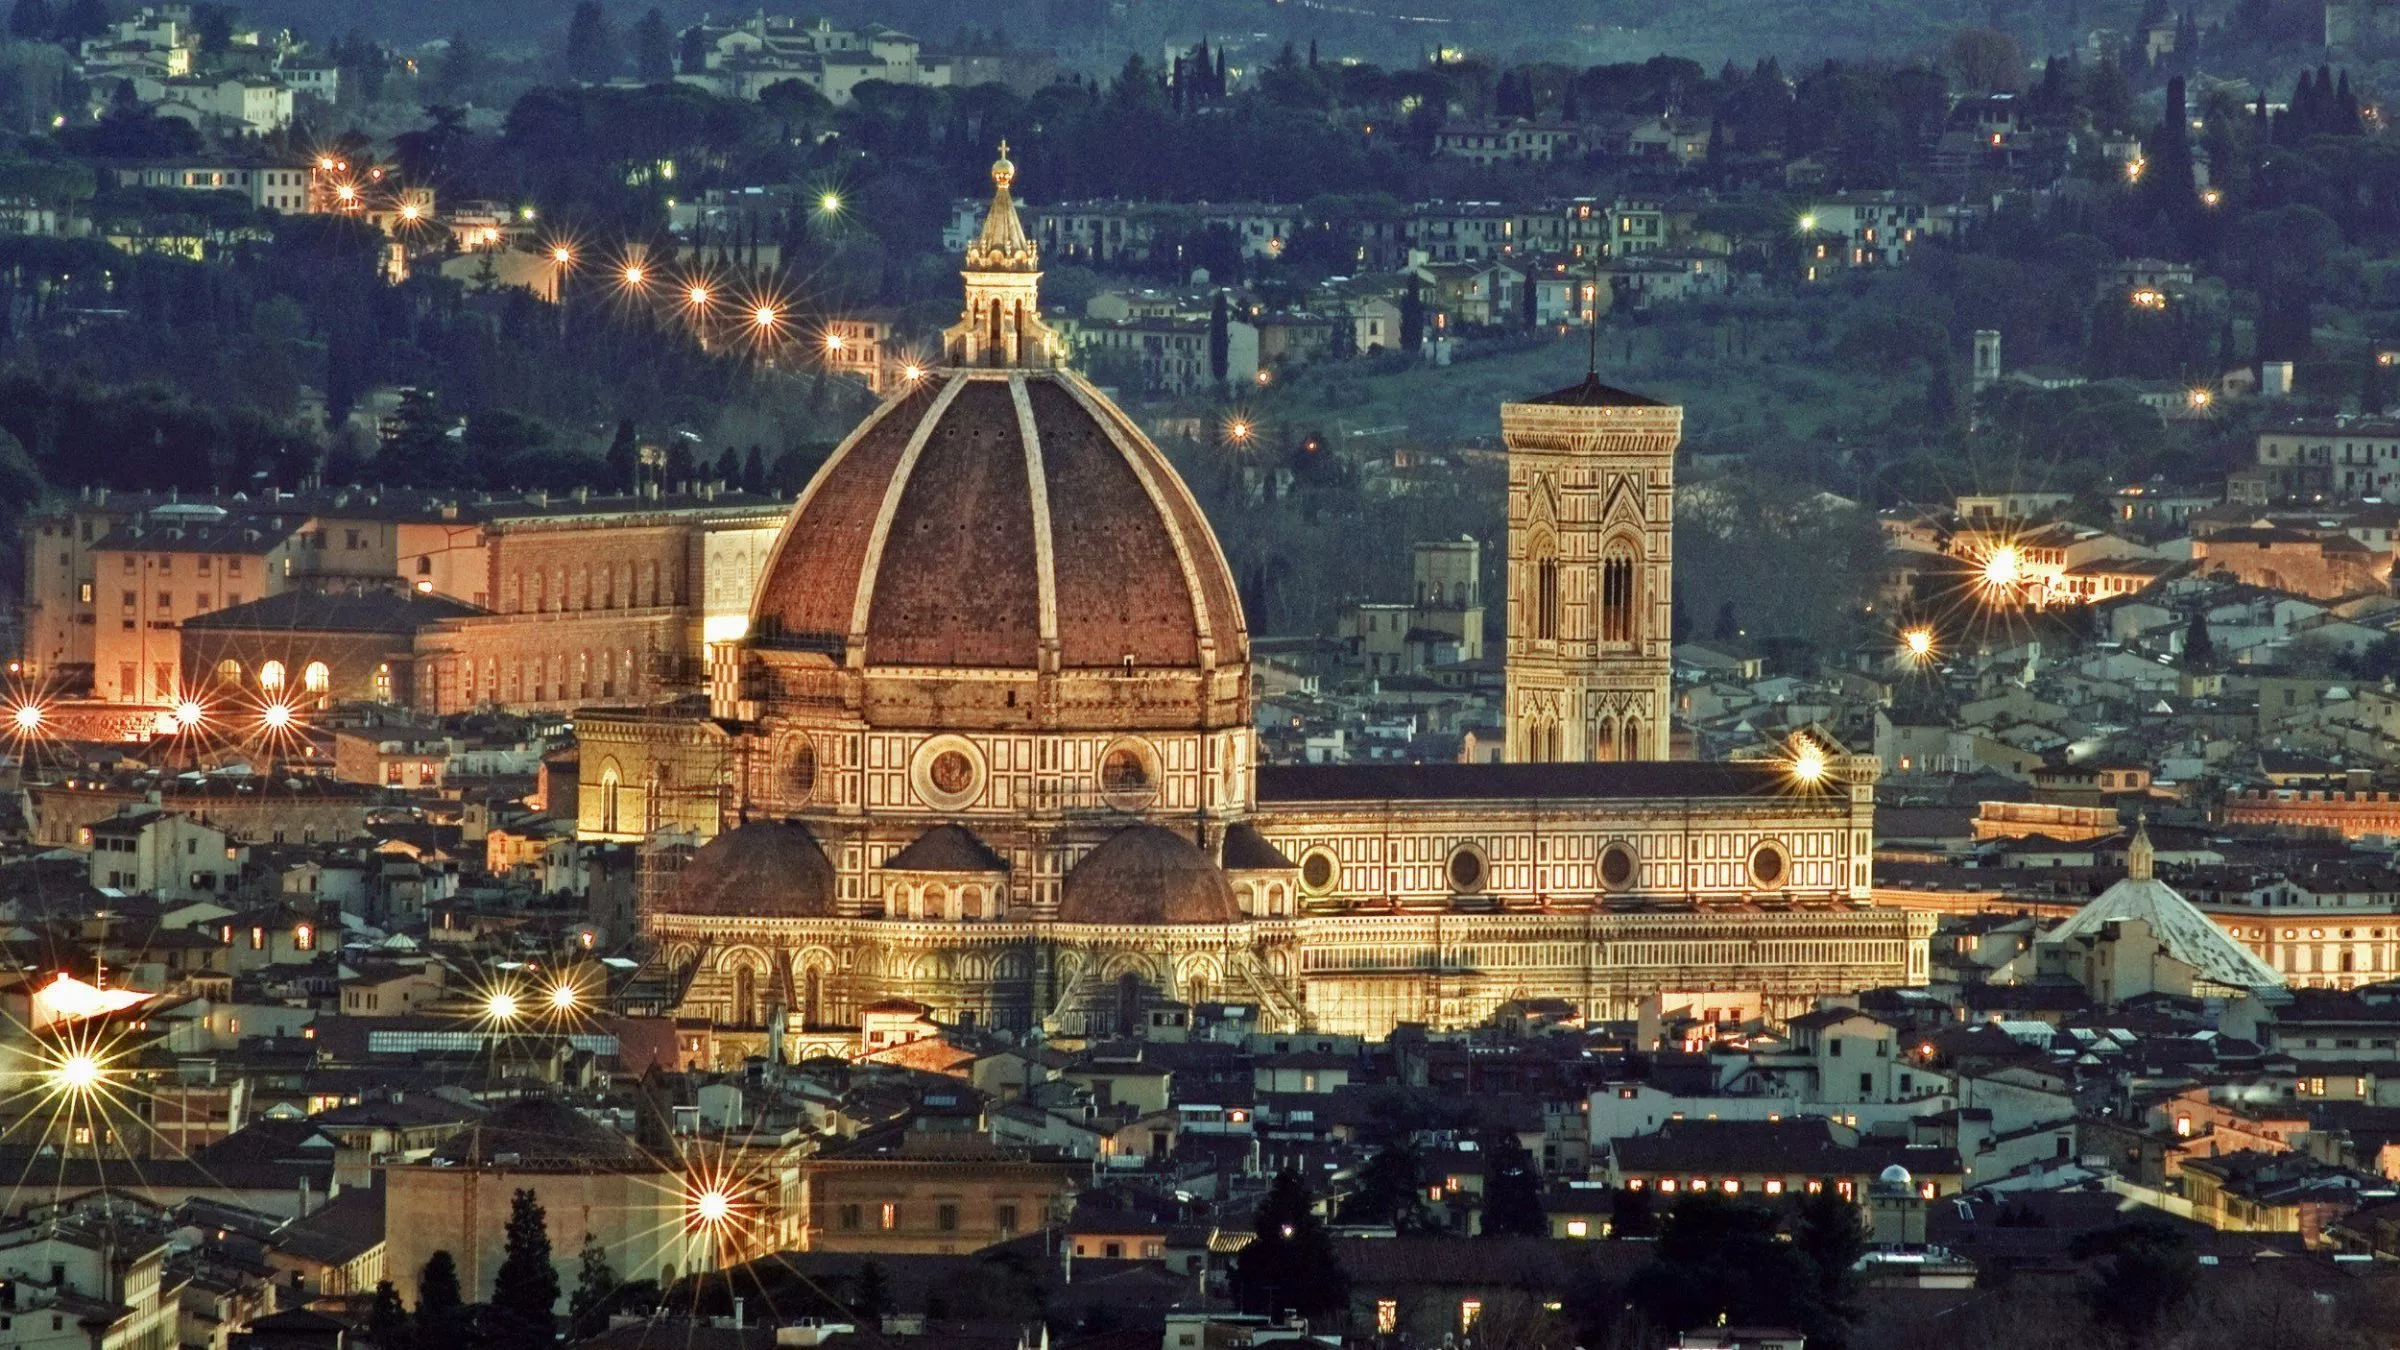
(189, 714)
(411, 212)
(2200, 398)
(764, 318)
(2133, 170)
(1809, 765)
(1918, 643)
(635, 275)
(696, 296)
(562, 255)
(912, 372)
(2005, 567)
(713, 1206)
(563, 998)
(27, 717)
(276, 717)
(77, 1073)
(830, 203)
(1237, 431)
(835, 343)
(502, 1007)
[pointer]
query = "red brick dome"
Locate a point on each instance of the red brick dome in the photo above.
(1147, 874)
(759, 869)
(1007, 519)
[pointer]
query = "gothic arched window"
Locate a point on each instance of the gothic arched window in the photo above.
(1545, 599)
(1617, 600)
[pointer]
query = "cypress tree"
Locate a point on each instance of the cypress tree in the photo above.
(1220, 340)
(1512, 1191)
(1412, 318)
(1290, 1266)
(2199, 648)
(525, 1288)
(624, 459)
(441, 1308)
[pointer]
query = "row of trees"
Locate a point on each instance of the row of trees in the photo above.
(525, 1290)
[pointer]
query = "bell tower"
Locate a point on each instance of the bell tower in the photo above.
(1591, 569)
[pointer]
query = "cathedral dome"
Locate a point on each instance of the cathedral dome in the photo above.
(1145, 875)
(1002, 516)
(769, 869)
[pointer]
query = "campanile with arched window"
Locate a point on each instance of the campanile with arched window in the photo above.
(1591, 555)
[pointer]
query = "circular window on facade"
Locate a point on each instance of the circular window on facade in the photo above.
(947, 772)
(1129, 774)
(1616, 867)
(1467, 869)
(1317, 872)
(799, 769)
(1767, 867)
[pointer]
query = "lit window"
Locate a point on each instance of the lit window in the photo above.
(1387, 1317)
(1578, 1228)
(1468, 1310)
(891, 1216)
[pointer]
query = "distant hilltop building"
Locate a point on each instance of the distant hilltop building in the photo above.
(988, 746)
(744, 58)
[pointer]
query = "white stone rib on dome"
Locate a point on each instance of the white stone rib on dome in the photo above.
(2189, 935)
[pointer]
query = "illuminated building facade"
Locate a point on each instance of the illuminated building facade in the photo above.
(987, 745)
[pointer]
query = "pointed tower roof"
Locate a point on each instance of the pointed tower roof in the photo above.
(2188, 935)
(1001, 245)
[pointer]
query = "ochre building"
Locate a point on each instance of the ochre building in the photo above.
(987, 745)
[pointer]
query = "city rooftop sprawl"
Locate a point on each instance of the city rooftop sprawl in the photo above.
(763, 682)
